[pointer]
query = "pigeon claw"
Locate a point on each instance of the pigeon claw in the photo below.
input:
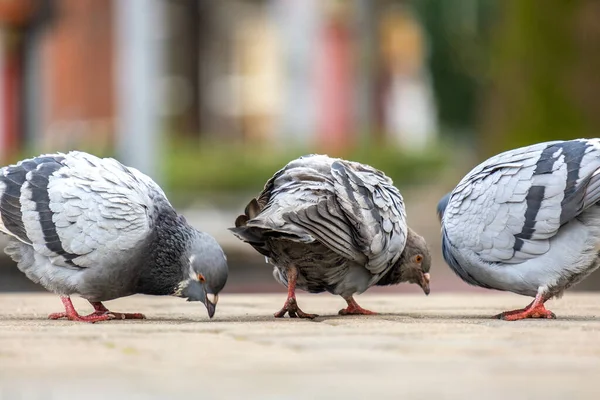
(92, 318)
(100, 313)
(537, 312)
(354, 309)
(101, 310)
(121, 315)
(291, 307)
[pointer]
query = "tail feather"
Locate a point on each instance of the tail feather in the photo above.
(241, 220)
(252, 209)
(250, 229)
(249, 234)
(252, 236)
(259, 235)
(250, 212)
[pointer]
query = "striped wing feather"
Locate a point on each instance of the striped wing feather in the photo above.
(75, 209)
(508, 208)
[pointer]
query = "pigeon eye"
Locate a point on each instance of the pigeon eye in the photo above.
(201, 278)
(419, 258)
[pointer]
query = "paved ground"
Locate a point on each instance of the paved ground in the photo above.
(436, 347)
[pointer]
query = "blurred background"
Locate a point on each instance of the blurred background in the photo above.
(211, 97)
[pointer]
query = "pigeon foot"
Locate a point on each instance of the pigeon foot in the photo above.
(354, 309)
(92, 318)
(100, 313)
(72, 315)
(540, 312)
(291, 307)
(534, 310)
(101, 310)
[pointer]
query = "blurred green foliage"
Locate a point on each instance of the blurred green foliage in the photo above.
(458, 34)
(533, 63)
(508, 73)
(216, 167)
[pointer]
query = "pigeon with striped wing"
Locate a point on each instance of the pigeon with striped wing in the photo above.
(79, 224)
(527, 221)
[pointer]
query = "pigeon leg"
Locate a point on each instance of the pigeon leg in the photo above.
(534, 310)
(72, 315)
(354, 309)
(291, 306)
(101, 310)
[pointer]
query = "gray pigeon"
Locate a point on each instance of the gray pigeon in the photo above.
(78, 224)
(332, 225)
(526, 221)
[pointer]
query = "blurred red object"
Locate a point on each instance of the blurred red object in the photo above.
(16, 13)
(335, 82)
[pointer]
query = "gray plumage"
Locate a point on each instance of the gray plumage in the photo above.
(527, 220)
(83, 225)
(341, 223)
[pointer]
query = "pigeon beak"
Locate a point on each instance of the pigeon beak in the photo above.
(211, 304)
(425, 283)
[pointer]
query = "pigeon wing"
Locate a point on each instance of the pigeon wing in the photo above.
(374, 208)
(508, 208)
(76, 209)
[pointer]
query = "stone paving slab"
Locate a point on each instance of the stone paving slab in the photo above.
(436, 347)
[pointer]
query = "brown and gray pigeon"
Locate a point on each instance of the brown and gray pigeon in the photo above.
(332, 225)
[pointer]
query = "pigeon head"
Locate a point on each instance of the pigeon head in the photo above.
(412, 266)
(205, 271)
(415, 262)
(441, 207)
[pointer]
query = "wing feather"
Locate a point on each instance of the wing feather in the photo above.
(508, 208)
(351, 208)
(75, 208)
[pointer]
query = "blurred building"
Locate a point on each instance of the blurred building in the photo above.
(408, 114)
(322, 73)
(57, 63)
(19, 20)
(287, 71)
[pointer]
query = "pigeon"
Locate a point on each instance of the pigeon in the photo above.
(526, 221)
(328, 224)
(79, 224)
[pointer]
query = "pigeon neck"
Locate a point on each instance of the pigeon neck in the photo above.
(402, 270)
(394, 275)
(163, 271)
